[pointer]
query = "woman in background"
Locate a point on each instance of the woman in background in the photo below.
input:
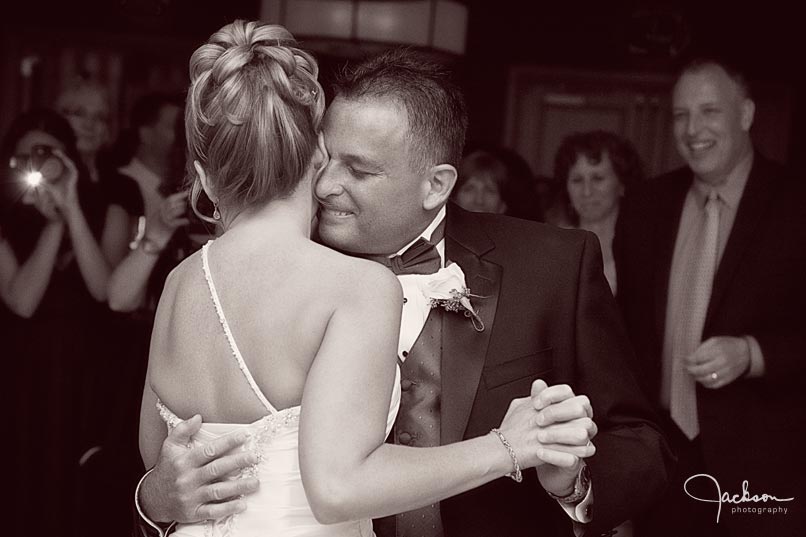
(86, 106)
(497, 180)
(54, 265)
(598, 168)
(481, 182)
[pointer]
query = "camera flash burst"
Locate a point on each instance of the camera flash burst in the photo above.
(33, 179)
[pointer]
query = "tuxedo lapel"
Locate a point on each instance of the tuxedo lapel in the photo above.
(754, 201)
(463, 347)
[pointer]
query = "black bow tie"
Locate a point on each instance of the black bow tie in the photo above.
(421, 257)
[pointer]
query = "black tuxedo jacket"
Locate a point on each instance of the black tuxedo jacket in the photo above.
(747, 427)
(548, 313)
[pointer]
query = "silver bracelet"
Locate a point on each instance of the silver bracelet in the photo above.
(516, 475)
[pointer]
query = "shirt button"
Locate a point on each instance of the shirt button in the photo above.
(405, 385)
(405, 353)
(404, 438)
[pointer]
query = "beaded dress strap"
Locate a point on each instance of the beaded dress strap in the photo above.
(232, 345)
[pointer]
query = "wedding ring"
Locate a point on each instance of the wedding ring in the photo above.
(714, 376)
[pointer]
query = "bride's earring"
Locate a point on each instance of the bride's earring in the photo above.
(216, 214)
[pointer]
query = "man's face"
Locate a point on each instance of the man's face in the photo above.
(712, 120)
(370, 194)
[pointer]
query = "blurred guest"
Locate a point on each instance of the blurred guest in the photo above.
(153, 127)
(158, 168)
(521, 189)
(480, 185)
(158, 174)
(497, 180)
(55, 269)
(85, 104)
(711, 268)
(597, 169)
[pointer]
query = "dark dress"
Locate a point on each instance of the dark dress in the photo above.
(56, 355)
(105, 482)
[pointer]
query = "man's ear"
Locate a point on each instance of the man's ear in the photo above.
(748, 113)
(441, 179)
(321, 158)
(205, 182)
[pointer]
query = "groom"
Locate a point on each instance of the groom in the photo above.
(541, 308)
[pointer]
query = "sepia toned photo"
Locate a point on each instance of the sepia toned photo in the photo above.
(403, 268)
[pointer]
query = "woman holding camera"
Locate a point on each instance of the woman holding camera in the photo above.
(54, 268)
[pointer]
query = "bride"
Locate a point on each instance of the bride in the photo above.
(269, 333)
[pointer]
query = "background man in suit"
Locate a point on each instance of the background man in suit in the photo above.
(711, 263)
(394, 133)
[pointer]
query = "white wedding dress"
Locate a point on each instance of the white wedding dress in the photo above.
(279, 508)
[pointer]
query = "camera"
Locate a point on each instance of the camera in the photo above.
(42, 164)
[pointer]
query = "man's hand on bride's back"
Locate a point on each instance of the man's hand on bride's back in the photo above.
(190, 484)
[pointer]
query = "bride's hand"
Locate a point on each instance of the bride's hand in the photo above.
(556, 434)
(565, 419)
(65, 190)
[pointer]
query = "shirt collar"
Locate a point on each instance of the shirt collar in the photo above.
(729, 192)
(426, 234)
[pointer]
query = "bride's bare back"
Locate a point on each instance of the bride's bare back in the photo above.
(278, 296)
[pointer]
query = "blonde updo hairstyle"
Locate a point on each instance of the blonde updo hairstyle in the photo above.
(252, 116)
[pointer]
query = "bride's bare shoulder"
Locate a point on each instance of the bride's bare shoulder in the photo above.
(189, 268)
(356, 275)
(182, 288)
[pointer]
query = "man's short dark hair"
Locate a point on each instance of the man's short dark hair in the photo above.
(434, 105)
(146, 110)
(695, 63)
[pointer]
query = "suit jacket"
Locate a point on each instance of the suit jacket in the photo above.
(548, 313)
(759, 290)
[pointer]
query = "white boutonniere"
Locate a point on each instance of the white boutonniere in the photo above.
(447, 289)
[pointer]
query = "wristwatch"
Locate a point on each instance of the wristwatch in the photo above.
(151, 247)
(581, 487)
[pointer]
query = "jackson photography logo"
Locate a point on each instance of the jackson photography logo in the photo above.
(759, 504)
